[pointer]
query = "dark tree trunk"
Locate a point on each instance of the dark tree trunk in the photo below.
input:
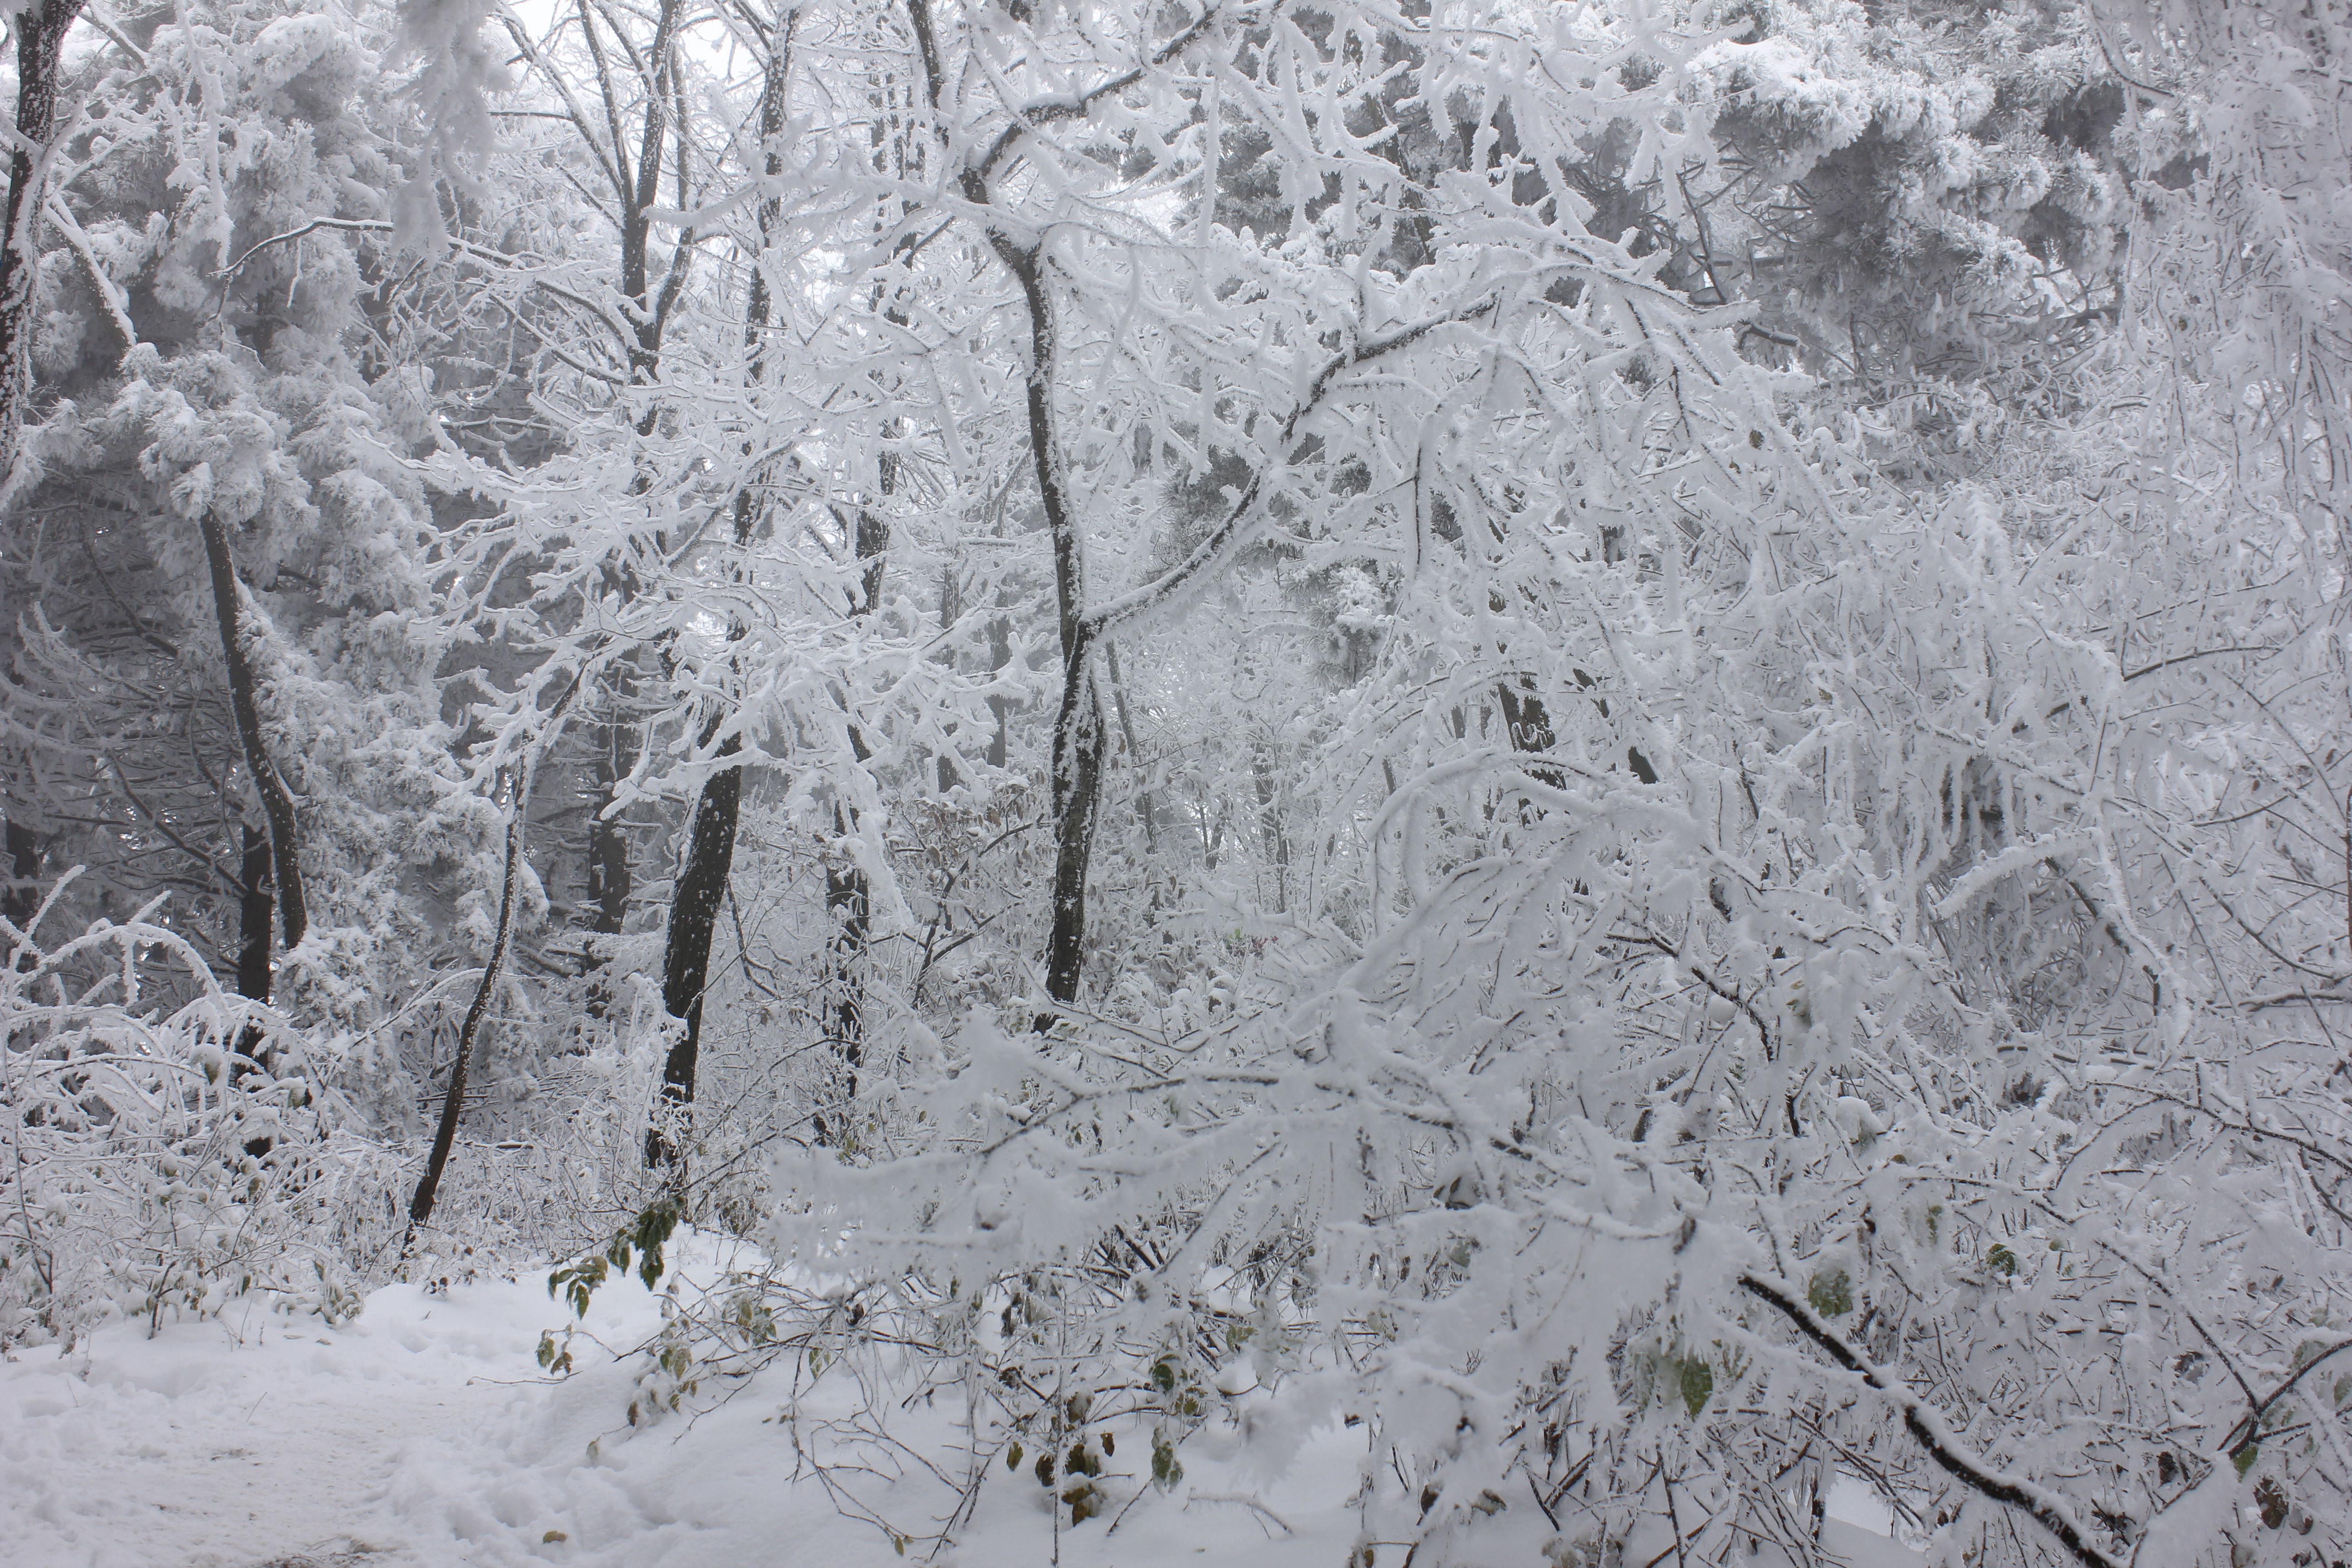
(39, 34)
(710, 842)
(1524, 713)
(848, 901)
(24, 894)
(950, 611)
(1000, 654)
(638, 196)
(272, 865)
(22, 898)
(686, 956)
(257, 902)
(848, 896)
(453, 1100)
(277, 802)
(1078, 737)
(636, 190)
(1077, 799)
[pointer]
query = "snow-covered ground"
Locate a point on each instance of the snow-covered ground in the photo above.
(424, 1433)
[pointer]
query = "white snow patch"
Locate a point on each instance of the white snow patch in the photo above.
(424, 1435)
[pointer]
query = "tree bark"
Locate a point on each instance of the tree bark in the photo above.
(848, 894)
(1077, 799)
(39, 34)
(686, 956)
(1078, 735)
(272, 865)
(452, 1101)
(1000, 708)
(710, 842)
(276, 801)
(1145, 806)
(24, 895)
(257, 903)
(22, 898)
(610, 877)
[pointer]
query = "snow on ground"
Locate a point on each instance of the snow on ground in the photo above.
(422, 1435)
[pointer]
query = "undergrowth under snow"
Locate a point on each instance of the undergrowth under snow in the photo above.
(424, 1433)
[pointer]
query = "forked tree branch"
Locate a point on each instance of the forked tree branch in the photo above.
(1035, 116)
(1211, 551)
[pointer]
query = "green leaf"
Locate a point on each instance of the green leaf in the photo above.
(652, 1229)
(575, 1283)
(1697, 1384)
(1832, 1293)
(1166, 1469)
(2245, 1459)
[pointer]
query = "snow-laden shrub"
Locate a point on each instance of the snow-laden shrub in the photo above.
(158, 1161)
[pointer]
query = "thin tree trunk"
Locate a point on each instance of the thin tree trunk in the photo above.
(1000, 654)
(1270, 828)
(710, 842)
(636, 190)
(1528, 723)
(1145, 804)
(950, 611)
(452, 1101)
(24, 894)
(610, 878)
(848, 893)
(1078, 738)
(686, 956)
(1077, 799)
(257, 902)
(277, 802)
(22, 898)
(39, 34)
(1078, 731)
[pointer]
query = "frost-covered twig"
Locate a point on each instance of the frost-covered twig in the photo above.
(1926, 1424)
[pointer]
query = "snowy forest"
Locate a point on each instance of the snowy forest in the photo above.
(1451, 783)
